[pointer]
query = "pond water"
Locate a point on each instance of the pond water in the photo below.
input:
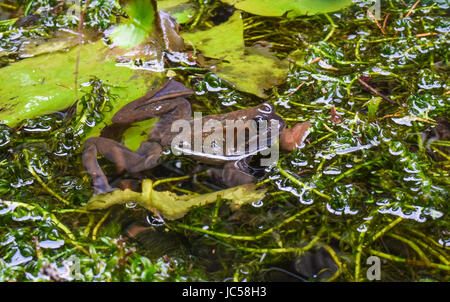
(370, 180)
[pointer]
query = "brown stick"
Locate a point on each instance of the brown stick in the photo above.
(412, 8)
(296, 88)
(376, 21)
(385, 21)
(373, 90)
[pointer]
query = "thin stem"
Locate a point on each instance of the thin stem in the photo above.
(411, 245)
(408, 261)
(299, 183)
(43, 184)
(387, 228)
(244, 237)
(99, 224)
(352, 170)
(336, 260)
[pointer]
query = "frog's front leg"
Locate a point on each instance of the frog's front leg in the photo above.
(146, 157)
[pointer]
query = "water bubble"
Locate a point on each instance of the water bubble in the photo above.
(332, 171)
(51, 244)
(10, 207)
(362, 228)
(130, 204)
(22, 183)
(258, 204)
(154, 221)
(18, 259)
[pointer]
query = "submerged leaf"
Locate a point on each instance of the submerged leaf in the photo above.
(277, 8)
(128, 35)
(173, 206)
(250, 69)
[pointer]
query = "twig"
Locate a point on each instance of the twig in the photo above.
(440, 256)
(158, 182)
(376, 21)
(373, 90)
(385, 21)
(426, 35)
(87, 230)
(412, 8)
(359, 249)
(296, 88)
(350, 171)
(299, 250)
(426, 238)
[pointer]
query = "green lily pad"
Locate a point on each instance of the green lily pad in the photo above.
(182, 10)
(170, 205)
(276, 8)
(249, 69)
(44, 84)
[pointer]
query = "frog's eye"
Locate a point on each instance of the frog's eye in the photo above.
(258, 119)
(266, 108)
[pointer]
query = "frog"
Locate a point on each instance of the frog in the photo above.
(169, 103)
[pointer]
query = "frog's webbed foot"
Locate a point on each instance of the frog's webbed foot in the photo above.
(293, 137)
(231, 175)
(146, 157)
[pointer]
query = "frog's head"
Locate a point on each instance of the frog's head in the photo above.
(289, 138)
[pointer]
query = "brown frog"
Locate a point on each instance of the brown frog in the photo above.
(169, 103)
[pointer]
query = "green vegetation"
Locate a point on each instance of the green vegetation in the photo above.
(371, 180)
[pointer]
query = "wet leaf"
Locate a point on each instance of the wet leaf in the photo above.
(249, 69)
(141, 23)
(44, 84)
(60, 40)
(293, 7)
(173, 206)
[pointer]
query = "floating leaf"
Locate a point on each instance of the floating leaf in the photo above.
(173, 206)
(141, 23)
(250, 69)
(44, 84)
(277, 8)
